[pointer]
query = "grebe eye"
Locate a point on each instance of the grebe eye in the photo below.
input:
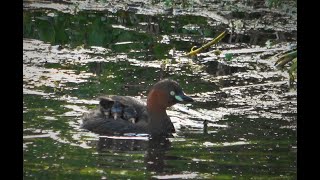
(172, 93)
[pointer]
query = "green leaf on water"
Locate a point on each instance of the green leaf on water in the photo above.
(228, 56)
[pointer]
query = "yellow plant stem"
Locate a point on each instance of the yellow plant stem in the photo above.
(214, 41)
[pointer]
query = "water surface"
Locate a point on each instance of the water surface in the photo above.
(71, 59)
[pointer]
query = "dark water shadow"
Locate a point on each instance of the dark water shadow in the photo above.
(222, 69)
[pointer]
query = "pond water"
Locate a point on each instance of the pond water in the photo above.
(70, 59)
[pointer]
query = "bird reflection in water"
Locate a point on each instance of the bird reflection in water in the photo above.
(154, 149)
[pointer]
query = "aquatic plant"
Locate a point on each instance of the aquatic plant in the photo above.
(285, 59)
